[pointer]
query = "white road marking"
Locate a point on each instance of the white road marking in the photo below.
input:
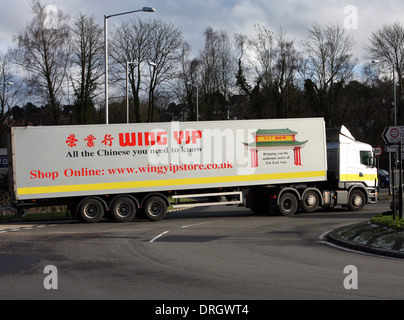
(183, 227)
(16, 228)
(198, 224)
(159, 236)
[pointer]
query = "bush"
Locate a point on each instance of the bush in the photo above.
(388, 221)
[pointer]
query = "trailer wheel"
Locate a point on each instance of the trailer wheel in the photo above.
(154, 208)
(123, 209)
(310, 201)
(288, 204)
(357, 200)
(91, 210)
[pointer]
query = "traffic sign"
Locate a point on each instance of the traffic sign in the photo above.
(393, 135)
(391, 148)
(378, 151)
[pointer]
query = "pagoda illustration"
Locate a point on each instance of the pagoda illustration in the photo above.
(275, 139)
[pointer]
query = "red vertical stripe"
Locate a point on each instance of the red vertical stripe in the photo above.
(254, 158)
(298, 156)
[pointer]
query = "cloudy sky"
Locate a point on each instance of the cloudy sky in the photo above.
(362, 17)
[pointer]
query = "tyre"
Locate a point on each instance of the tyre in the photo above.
(357, 200)
(154, 208)
(123, 209)
(91, 210)
(288, 204)
(310, 201)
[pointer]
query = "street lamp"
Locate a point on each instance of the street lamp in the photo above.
(127, 84)
(106, 17)
(394, 89)
(197, 99)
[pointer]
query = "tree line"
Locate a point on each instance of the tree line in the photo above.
(56, 65)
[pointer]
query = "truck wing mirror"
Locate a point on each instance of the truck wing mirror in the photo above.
(373, 162)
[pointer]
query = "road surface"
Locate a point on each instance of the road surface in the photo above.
(203, 253)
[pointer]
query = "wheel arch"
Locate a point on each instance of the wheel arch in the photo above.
(359, 187)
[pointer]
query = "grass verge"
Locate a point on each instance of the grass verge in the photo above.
(33, 216)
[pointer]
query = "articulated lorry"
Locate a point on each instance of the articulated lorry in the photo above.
(120, 171)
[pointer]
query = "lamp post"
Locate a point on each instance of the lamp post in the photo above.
(197, 99)
(394, 90)
(106, 17)
(152, 66)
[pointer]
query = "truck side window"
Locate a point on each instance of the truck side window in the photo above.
(366, 157)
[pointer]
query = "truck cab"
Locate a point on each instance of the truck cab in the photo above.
(351, 165)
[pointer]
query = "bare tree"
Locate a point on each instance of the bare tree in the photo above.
(7, 82)
(152, 48)
(286, 60)
(241, 41)
(166, 48)
(8, 90)
(262, 45)
(217, 73)
(130, 46)
(87, 55)
(327, 48)
(42, 51)
(187, 84)
(274, 61)
(387, 46)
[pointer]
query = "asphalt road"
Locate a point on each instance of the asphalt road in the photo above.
(203, 253)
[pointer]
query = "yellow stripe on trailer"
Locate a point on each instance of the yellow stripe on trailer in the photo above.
(261, 178)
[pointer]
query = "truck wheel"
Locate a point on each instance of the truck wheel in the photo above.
(310, 201)
(91, 210)
(154, 208)
(123, 209)
(288, 204)
(356, 200)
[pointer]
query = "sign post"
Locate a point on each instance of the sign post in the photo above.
(378, 151)
(400, 188)
(394, 138)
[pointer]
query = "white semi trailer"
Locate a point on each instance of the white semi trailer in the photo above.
(123, 170)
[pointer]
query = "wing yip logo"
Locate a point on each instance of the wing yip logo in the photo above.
(268, 140)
